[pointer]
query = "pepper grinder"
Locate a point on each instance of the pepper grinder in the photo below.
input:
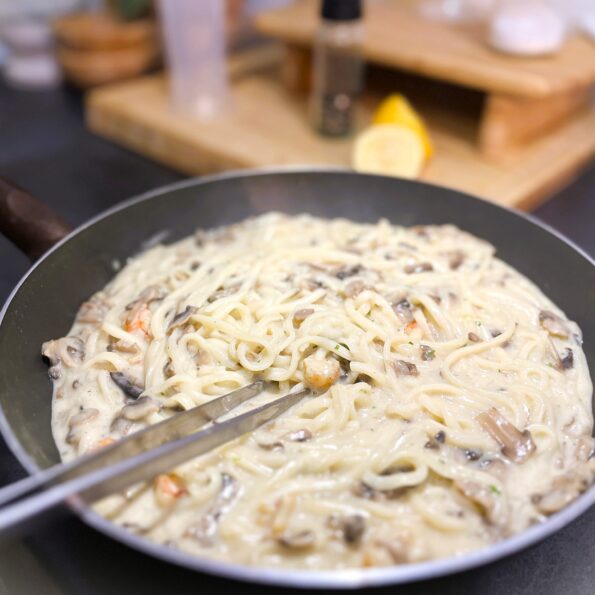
(338, 67)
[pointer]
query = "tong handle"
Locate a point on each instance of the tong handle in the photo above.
(64, 482)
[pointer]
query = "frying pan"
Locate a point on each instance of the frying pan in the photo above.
(44, 303)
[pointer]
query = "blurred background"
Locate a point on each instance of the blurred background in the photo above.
(493, 97)
(104, 99)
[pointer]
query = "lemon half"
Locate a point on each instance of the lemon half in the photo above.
(389, 149)
(395, 109)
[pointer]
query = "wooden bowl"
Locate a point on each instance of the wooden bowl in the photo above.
(100, 31)
(90, 68)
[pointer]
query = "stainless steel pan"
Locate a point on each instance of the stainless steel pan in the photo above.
(44, 303)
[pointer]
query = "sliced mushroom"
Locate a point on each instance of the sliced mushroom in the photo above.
(567, 359)
(139, 409)
(300, 435)
(354, 288)
(561, 362)
(301, 315)
(55, 372)
(420, 267)
(348, 271)
(404, 311)
(221, 293)
(351, 527)
(564, 490)
(321, 374)
(403, 368)
(182, 317)
(124, 346)
(362, 490)
(585, 449)
(83, 417)
(206, 529)
(93, 311)
(68, 351)
(385, 552)
(553, 324)
(397, 548)
(152, 293)
(149, 294)
(120, 426)
(473, 337)
(496, 467)
(436, 440)
(456, 259)
(301, 540)
(516, 445)
(420, 231)
(483, 496)
(472, 455)
(354, 528)
(126, 384)
(311, 284)
(277, 445)
(427, 353)
(77, 422)
(202, 357)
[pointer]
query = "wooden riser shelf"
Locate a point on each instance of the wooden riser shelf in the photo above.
(526, 97)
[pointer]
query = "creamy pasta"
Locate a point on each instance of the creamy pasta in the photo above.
(451, 401)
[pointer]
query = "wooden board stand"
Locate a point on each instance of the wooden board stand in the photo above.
(269, 126)
(526, 97)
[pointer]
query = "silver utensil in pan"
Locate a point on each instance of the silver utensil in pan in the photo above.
(137, 457)
(44, 303)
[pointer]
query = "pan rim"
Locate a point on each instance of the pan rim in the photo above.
(329, 579)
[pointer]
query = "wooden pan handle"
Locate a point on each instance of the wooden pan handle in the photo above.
(27, 222)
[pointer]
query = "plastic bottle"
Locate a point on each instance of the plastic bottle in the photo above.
(194, 34)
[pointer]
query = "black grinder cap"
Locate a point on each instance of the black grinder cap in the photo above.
(341, 10)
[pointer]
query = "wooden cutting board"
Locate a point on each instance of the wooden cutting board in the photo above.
(268, 126)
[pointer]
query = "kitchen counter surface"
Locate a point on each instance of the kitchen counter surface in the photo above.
(45, 148)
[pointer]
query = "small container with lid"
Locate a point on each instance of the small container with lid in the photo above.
(338, 67)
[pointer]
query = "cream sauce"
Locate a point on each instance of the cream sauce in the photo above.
(418, 334)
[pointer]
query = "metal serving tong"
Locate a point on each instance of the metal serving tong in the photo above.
(135, 458)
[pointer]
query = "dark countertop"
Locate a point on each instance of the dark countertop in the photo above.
(45, 148)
